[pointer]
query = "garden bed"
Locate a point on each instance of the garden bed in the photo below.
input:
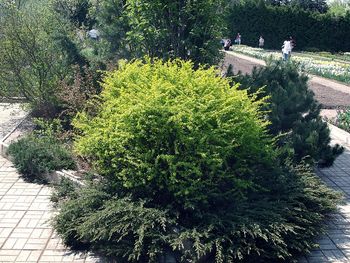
(324, 67)
(26, 126)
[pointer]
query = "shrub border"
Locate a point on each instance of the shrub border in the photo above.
(338, 135)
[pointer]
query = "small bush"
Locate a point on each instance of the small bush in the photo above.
(293, 112)
(153, 129)
(343, 119)
(189, 173)
(74, 93)
(35, 156)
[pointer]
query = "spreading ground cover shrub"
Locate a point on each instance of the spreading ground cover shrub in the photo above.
(189, 173)
(62, 190)
(40, 153)
(293, 112)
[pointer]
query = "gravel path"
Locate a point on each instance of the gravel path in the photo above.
(330, 94)
(10, 116)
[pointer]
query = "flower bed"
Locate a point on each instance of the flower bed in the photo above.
(323, 67)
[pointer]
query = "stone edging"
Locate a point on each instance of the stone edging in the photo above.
(340, 136)
(55, 177)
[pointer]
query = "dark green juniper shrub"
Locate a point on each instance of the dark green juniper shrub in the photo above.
(64, 190)
(293, 112)
(40, 152)
(189, 173)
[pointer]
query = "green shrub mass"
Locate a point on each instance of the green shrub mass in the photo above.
(34, 156)
(189, 173)
(293, 112)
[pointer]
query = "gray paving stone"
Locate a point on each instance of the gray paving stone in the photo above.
(25, 232)
(335, 244)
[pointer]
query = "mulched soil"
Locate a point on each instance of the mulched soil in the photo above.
(328, 97)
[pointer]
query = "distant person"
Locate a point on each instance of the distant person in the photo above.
(238, 39)
(227, 44)
(286, 50)
(261, 42)
(222, 42)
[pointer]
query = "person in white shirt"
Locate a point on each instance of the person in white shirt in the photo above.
(261, 42)
(286, 49)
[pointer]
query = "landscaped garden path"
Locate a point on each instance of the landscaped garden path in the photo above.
(335, 244)
(331, 94)
(25, 231)
(25, 210)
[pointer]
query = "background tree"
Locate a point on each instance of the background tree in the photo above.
(312, 5)
(111, 20)
(338, 7)
(320, 6)
(293, 112)
(163, 28)
(32, 61)
(77, 11)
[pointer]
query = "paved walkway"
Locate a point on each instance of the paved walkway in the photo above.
(335, 244)
(25, 211)
(25, 231)
(10, 115)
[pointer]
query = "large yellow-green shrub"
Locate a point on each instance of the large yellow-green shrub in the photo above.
(168, 129)
(189, 174)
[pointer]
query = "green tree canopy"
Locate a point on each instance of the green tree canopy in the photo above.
(164, 28)
(32, 60)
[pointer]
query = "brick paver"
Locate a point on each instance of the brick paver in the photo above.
(25, 231)
(335, 244)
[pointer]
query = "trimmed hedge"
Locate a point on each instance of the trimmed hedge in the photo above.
(311, 30)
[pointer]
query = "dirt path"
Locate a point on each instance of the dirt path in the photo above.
(330, 94)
